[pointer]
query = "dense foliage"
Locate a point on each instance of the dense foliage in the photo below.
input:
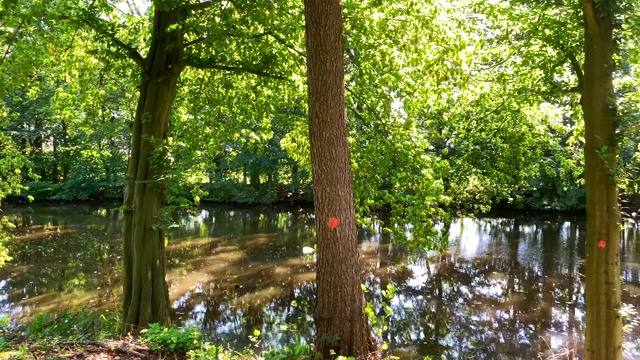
(453, 105)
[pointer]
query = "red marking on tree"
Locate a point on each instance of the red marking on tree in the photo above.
(333, 222)
(602, 244)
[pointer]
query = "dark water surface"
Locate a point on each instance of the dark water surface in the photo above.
(507, 288)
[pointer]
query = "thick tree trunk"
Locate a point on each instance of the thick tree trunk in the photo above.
(604, 325)
(146, 297)
(341, 325)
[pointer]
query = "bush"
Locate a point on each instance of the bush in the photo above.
(80, 325)
(171, 340)
(75, 189)
(208, 352)
(224, 191)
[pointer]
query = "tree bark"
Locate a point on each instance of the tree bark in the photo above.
(341, 324)
(604, 325)
(146, 296)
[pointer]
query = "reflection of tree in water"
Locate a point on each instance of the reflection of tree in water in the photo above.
(57, 253)
(630, 253)
(227, 319)
(519, 292)
(262, 272)
(505, 287)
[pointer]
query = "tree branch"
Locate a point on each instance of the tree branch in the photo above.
(134, 8)
(575, 65)
(14, 37)
(116, 8)
(199, 6)
(287, 45)
(202, 64)
(365, 103)
(203, 38)
(101, 28)
(196, 41)
(132, 53)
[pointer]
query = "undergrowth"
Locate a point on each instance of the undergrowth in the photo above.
(79, 334)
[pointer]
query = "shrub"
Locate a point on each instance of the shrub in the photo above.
(171, 340)
(207, 352)
(78, 325)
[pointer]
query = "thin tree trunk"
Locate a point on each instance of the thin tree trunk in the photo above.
(55, 171)
(604, 325)
(146, 296)
(65, 152)
(38, 142)
(341, 325)
(294, 177)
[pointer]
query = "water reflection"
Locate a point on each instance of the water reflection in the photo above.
(61, 255)
(506, 287)
(248, 275)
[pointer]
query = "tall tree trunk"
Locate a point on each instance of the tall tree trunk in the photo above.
(294, 176)
(341, 325)
(64, 153)
(55, 170)
(146, 297)
(38, 141)
(255, 177)
(604, 325)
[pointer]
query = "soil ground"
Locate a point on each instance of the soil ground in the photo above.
(120, 349)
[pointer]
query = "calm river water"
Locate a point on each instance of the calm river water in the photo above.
(508, 287)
